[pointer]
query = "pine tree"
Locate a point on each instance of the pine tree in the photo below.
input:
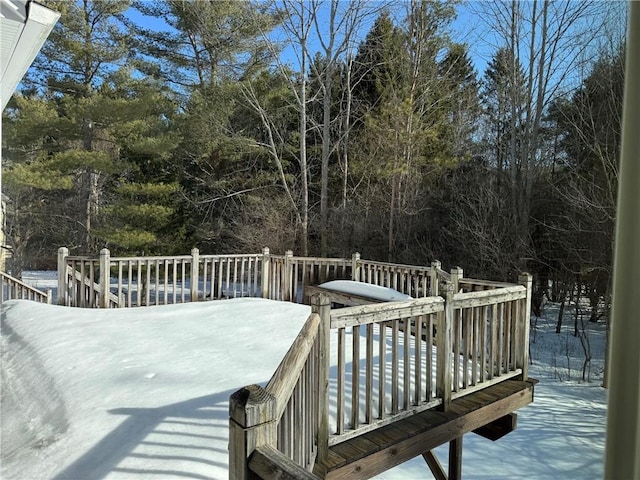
(95, 122)
(503, 97)
(205, 54)
(460, 94)
(402, 91)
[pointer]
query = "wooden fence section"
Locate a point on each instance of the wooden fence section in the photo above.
(281, 431)
(412, 280)
(387, 369)
(402, 358)
(290, 274)
(14, 289)
(109, 282)
(141, 281)
(231, 276)
(488, 334)
(287, 415)
(392, 359)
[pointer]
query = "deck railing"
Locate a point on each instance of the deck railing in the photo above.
(143, 281)
(402, 358)
(416, 281)
(14, 289)
(107, 281)
(291, 274)
(283, 425)
(455, 337)
(386, 367)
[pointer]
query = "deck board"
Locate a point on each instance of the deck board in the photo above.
(379, 450)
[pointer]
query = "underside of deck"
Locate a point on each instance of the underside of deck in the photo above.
(376, 451)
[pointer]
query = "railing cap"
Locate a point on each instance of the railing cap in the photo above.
(252, 405)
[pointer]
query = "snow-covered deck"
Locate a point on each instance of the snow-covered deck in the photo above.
(132, 393)
(122, 424)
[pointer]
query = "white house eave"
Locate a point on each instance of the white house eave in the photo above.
(24, 27)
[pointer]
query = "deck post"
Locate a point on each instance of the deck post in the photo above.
(444, 343)
(288, 280)
(252, 423)
(63, 253)
(522, 360)
(320, 304)
(265, 280)
(105, 278)
(455, 459)
(456, 275)
(355, 267)
(195, 269)
(433, 273)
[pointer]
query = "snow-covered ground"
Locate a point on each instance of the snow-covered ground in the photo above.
(143, 393)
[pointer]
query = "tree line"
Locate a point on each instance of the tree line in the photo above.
(325, 127)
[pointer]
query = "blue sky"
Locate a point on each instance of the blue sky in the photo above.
(466, 28)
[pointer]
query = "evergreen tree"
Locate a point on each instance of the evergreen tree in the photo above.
(461, 98)
(93, 123)
(404, 94)
(204, 43)
(503, 97)
(205, 53)
(379, 65)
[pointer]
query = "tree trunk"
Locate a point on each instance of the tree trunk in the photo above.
(326, 151)
(93, 198)
(560, 315)
(304, 224)
(326, 134)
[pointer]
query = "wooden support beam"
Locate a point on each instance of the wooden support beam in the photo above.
(455, 459)
(269, 463)
(434, 465)
(498, 428)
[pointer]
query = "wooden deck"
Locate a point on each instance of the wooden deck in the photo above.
(379, 450)
(413, 375)
(450, 358)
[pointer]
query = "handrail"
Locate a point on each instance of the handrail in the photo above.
(17, 289)
(155, 280)
(489, 297)
(474, 282)
(443, 275)
(382, 312)
(414, 280)
(267, 417)
(380, 390)
(490, 330)
(284, 379)
(396, 265)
